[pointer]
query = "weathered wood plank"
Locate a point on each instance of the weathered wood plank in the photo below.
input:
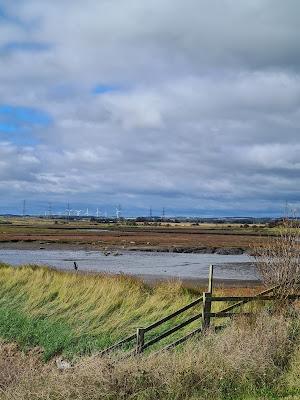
(226, 314)
(251, 298)
(119, 344)
(181, 340)
(240, 303)
(140, 334)
(206, 311)
(210, 279)
(174, 314)
(172, 330)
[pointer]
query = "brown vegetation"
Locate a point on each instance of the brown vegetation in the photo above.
(246, 358)
(278, 261)
(161, 238)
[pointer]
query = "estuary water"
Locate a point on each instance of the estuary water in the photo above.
(139, 263)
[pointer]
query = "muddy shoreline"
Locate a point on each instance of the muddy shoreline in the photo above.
(186, 282)
(39, 245)
(196, 283)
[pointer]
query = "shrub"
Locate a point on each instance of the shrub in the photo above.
(278, 261)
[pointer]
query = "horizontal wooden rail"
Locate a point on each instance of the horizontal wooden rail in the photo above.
(253, 298)
(225, 314)
(156, 324)
(187, 337)
(181, 340)
(174, 314)
(119, 344)
(206, 314)
(172, 330)
(240, 303)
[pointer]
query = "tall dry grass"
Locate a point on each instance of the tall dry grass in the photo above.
(78, 314)
(248, 358)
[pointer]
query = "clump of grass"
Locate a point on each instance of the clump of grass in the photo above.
(291, 379)
(246, 361)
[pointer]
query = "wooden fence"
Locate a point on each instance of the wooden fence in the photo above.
(138, 339)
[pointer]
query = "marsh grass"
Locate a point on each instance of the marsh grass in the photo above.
(240, 363)
(80, 313)
(47, 312)
(76, 314)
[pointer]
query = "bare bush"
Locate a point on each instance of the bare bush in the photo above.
(278, 260)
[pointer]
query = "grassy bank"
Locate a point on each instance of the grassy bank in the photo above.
(48, 313)
(78, 314)
(255, 360)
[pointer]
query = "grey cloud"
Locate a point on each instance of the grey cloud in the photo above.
(206, 114)
(18, 165)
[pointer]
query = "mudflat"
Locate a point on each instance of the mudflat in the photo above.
(55, 234)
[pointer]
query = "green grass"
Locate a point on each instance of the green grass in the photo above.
(74, 314)
(31, 332)
(78, 314)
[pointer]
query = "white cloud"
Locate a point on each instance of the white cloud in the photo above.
(205, 110)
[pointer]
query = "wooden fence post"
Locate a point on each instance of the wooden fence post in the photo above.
(140, 334)
(210, 279)
(206, 308)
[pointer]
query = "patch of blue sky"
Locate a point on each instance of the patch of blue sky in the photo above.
(11, 47)
(17, 124)
(105, 88)
(17, 136)
(7, 127)
(7, 17)
(3, 14)
(19, 114)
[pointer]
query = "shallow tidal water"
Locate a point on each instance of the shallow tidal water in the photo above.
(164, 265)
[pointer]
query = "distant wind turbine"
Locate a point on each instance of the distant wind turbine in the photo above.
(118, 211)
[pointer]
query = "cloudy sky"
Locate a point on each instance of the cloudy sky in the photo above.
(191, 105)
